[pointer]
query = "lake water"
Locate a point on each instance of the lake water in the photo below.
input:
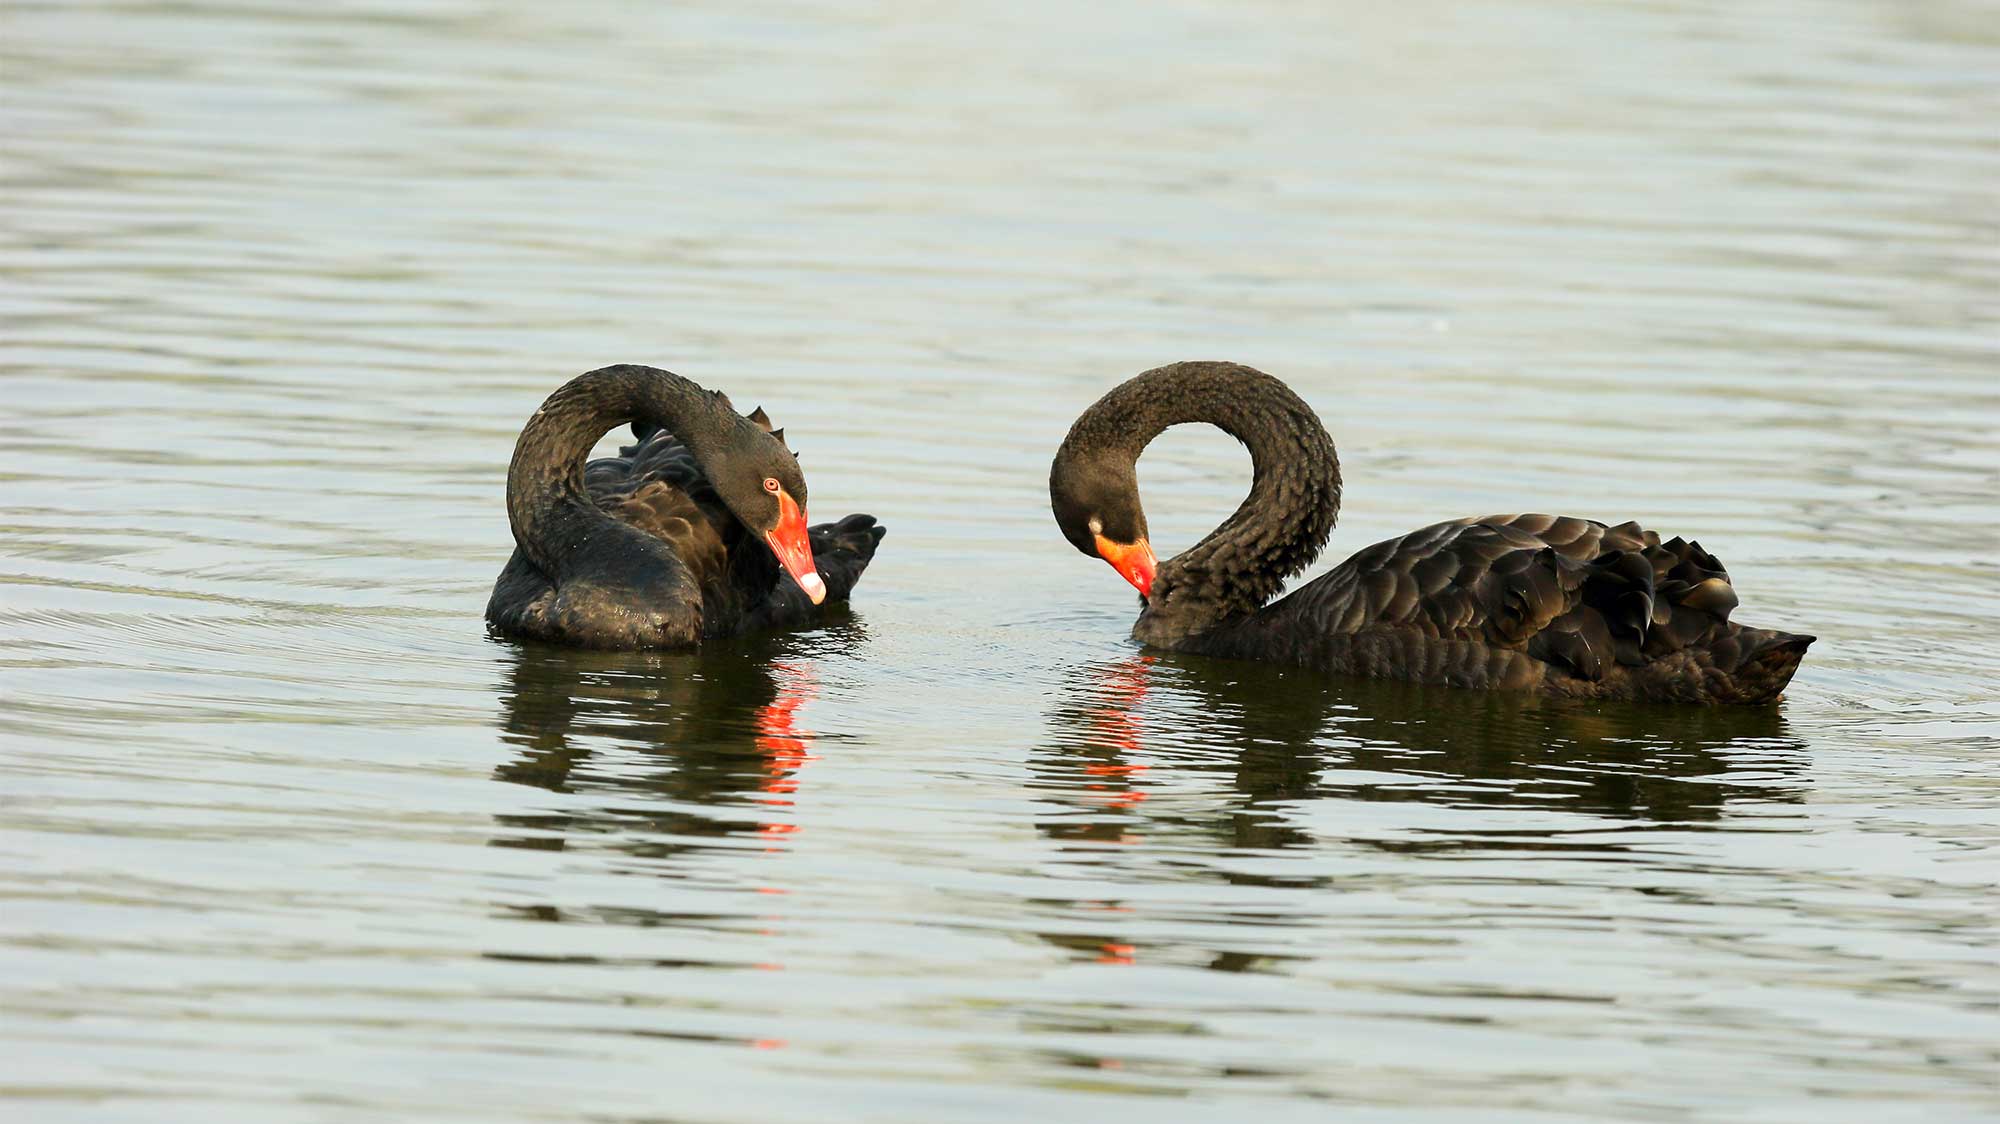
(285, 837)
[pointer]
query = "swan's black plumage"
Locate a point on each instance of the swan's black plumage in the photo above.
(1556, 604)
(660, 546)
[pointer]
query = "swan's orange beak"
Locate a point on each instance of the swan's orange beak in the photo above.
(794, 550)
(1134, 562)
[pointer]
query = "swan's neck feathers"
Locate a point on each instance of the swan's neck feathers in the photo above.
(1281, 525)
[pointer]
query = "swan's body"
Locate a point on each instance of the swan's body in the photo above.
(677, 539)
(1559, 605)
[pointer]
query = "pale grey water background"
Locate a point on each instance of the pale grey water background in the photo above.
(286, 838)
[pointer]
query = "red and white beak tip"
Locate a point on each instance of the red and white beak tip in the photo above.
(789, 541)
(814, 586)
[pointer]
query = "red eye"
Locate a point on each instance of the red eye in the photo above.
(771, 484)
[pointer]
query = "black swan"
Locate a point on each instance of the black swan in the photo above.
(1555, 604)
(678, 538)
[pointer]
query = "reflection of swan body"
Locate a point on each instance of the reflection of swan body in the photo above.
(1142, 721)
(677, 539)
(1559, 605)
(716, 730)
(1253, 774)
(670, 761)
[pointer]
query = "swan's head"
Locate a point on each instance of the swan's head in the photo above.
(1096, 503)
(759, 478)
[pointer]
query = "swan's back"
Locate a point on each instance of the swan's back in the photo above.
(1563, 605)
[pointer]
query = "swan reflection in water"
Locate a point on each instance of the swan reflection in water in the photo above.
(1166, 765)
(664, 760)
(661, 756)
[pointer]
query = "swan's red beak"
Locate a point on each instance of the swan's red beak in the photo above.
(1134, 562)
(794, 550)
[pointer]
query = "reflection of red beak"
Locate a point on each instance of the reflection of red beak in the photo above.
(794, 550)
(1134, 562)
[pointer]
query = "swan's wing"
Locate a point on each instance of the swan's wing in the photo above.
(1571, 591)
(656, 486)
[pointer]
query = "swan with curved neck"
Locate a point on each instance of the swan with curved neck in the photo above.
(1560, 605)
(678, 539)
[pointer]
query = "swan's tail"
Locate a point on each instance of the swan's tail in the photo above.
(1766, 662)
(843, 550)
(1666, 608)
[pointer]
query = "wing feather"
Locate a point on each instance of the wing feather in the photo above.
(1573, 592)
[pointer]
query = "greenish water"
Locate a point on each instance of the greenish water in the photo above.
(285, 837)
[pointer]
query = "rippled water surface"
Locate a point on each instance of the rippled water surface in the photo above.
(284, 836)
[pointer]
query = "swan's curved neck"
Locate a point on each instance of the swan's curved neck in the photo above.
(1280, 526)
(550, 512)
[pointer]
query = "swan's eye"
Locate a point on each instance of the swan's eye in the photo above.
(1096, 525)
(771, 484)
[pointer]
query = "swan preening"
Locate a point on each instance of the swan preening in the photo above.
(1555, 604)
(697, 530)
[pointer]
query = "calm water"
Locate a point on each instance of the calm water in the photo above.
(285, 837)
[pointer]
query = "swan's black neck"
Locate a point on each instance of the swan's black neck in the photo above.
(1280, 526)
(550, 512)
